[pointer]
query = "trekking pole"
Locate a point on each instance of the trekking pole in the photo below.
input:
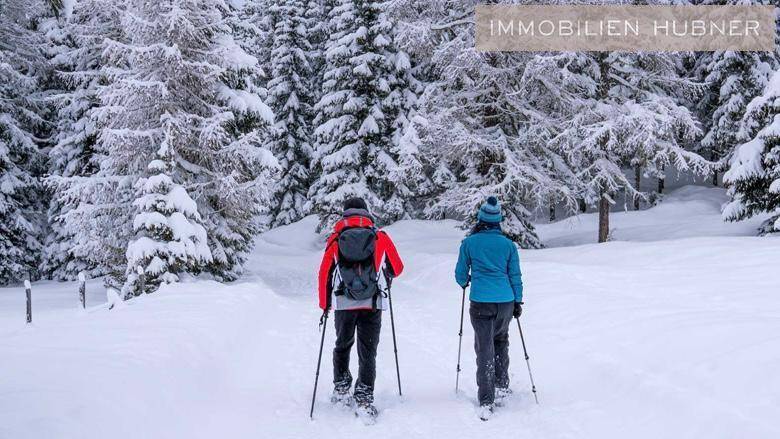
(323, 326)
(460, 338)
(392, 327)
(528, 363)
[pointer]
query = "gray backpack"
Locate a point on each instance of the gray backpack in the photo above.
(359, 279)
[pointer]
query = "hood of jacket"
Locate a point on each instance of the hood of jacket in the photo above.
(361, 218)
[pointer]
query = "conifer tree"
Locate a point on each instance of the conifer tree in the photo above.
(77, 42)
(357, 114)
(732, 79)
(625, 111)
(754, 174)
(473, 126)
(291, 99)
(22, 127)
(180, 92)
(169, 238)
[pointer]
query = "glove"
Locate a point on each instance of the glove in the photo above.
(518, 311)
(388, 277)
(324, 316)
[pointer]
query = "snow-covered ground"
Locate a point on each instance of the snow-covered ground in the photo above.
(672, 330)
(690, 211)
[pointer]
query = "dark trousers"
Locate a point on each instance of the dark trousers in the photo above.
(491, 342)
(368, 324)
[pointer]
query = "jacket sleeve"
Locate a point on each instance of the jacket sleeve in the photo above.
(463, 265)
(515, 276)
(325, 279)
(393, 263)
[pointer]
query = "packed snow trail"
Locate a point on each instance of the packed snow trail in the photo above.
(667, 338)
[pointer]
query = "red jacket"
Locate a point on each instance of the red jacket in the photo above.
(384, 249)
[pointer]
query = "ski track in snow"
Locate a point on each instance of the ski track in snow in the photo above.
(677, 336)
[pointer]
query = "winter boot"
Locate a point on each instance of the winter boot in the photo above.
(502, 395)
(367, 413)
(485, 412)
(341, 397)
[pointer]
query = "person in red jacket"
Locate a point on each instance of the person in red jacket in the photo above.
(356, 254)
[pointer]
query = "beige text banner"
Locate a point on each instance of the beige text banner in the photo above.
(624, 27)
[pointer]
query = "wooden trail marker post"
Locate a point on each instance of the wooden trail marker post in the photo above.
(28, 291)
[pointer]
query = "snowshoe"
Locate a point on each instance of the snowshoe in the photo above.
(342, 399)
(485, 412)
(367, 413)
(502, 395)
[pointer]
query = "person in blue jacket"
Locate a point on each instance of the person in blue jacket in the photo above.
(490, 262)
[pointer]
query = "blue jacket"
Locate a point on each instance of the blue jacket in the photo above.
(495, 267)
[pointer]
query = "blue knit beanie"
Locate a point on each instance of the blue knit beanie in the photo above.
(490, 211)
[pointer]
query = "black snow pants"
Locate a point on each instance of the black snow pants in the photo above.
(491, 342)
(368, 324)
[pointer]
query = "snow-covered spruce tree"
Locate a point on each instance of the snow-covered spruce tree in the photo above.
(76, 41)
(472, 125)
(654, 89)
(732, 80)
(253, 25)
(21, 129)
(169, 238)
(317, 24)
(356, 117)
(421, 28)
(290, 97)
(754, 175)
(179, 91)
(629, 115)
(245, 170)
(412, 175)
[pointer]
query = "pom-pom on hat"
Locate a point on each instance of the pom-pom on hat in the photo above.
(490, 211)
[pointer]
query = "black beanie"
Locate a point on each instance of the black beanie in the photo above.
(355, 203)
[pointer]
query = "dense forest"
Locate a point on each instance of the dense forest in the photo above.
(165, 135)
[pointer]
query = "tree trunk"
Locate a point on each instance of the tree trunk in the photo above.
(552, 212)
(661, 183)
(714, 158)
(637, 183)
(583, 207)
(603, 218)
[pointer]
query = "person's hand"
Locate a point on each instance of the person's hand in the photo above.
(518, 311)
(388, 277)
